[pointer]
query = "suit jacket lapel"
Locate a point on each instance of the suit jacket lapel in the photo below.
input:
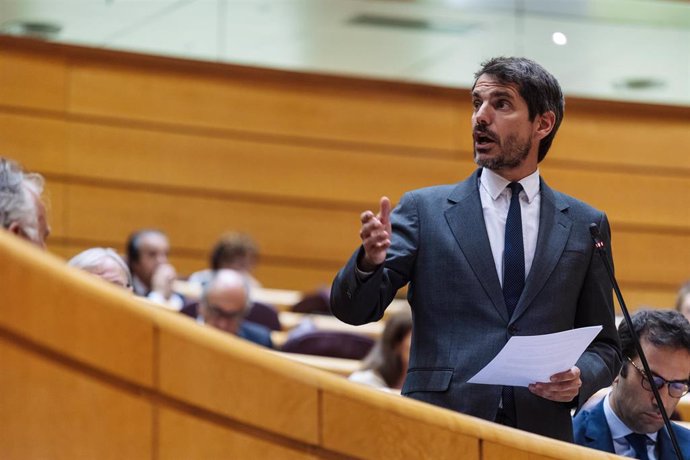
(665, 450)
(597, 432)
(466, 221)
(554, 229)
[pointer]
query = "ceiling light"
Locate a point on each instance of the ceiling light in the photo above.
(559, 38)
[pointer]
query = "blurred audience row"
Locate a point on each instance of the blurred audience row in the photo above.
(226, 301)
(224, 298)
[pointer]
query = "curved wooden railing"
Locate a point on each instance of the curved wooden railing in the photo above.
(88, 371)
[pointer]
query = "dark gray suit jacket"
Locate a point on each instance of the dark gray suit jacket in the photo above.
(592, 430)
(441, 247)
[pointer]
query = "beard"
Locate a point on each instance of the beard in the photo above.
(512, 153)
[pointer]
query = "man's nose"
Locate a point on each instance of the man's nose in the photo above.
(482, 116)
(666, 399)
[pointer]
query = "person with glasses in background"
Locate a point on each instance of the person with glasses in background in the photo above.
(225, 303)
(628, 421)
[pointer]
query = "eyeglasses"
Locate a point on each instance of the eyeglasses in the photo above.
(218, 312)
(676, 388)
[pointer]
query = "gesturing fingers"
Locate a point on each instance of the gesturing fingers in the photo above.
(384, 210)
(375, 234)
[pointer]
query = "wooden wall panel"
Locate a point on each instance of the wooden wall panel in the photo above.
(184, 436)
(617, 136)
(643, 296)
(646, 257)
(52, 411)
(308, 234)
(32, 80)
(285, 106)
(327, 173)
(197, 222)
(198, 149)
(292, 276)
(38, 143)
(56, 210)
(217, 371)
(634, 199)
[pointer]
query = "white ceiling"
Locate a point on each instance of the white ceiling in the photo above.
(440, 42)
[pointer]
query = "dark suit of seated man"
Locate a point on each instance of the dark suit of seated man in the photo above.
(224, 304)
(628, 422)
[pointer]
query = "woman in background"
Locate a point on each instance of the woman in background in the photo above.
(385, 366)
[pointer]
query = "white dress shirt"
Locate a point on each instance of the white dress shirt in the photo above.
(495, 198)
(620, 430)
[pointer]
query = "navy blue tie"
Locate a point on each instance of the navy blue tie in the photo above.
(514, 252)
(639, 444)
(513, 280)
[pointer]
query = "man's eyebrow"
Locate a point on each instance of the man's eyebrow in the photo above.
(667, 380)
(496, 94)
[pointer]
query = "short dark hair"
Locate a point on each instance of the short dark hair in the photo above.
(133, 241)
(661, 328)
(231, 247)
(536, 86)
(383, 357)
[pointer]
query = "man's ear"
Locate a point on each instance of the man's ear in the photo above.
(545, 123)
(16, 229)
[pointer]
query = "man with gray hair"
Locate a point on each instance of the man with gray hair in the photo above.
(104, 263)
(225, 303)
(22, 210)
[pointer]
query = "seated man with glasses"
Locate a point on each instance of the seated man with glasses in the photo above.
(628, 421)
(224, 305)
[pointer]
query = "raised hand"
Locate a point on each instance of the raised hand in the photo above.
(162, 280)
(376, 235)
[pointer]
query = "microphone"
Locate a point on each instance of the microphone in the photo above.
(596, 236)
(600, 247)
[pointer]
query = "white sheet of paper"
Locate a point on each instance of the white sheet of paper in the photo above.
(535, 358)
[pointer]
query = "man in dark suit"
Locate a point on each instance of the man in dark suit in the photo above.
(485, 263)
(628, 421)
(224, 305)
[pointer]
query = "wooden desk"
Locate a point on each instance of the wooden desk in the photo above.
(339, 366)
(290, 320)
(282, 299)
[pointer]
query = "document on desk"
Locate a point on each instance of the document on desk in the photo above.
(535, 358)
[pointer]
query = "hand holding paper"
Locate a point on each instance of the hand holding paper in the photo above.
(530, 359)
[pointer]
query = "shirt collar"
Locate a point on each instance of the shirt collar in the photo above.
(138, 286)
(619, 430)
(495, 184)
